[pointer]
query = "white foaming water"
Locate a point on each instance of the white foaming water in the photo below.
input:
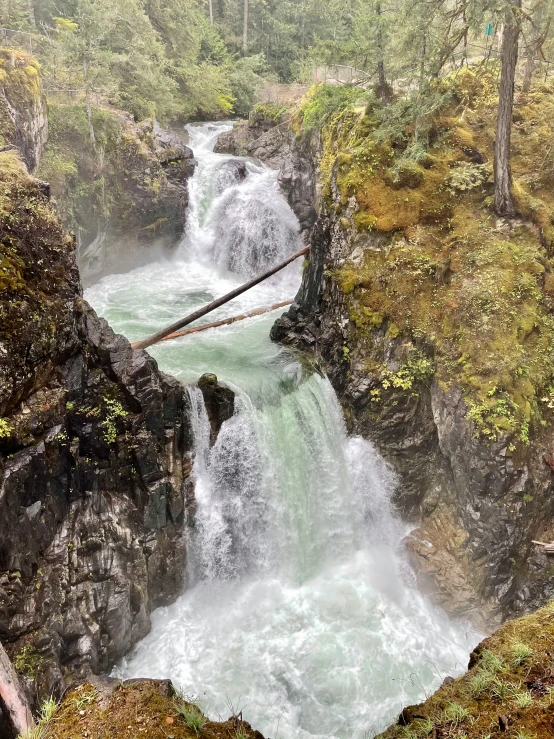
(299, 607)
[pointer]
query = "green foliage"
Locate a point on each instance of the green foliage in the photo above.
(191, 715)
(27, 661)
(481, 682)
(46, 714)
(6, 429)
(418, 368)
(266, 111)
(246, 79)
(467, 176)
(521, 653)
(456, 713)
(322, 101)
(113, 411)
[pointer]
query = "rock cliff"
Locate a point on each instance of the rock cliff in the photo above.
(95, 452)
(125, 197)
(94, 465)
(414, 298)
(23, 114)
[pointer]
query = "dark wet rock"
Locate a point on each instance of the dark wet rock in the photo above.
(94, 469)
(230, 173)
(147, 171)
(219, 400)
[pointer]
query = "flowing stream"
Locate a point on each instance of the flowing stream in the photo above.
(299, 608)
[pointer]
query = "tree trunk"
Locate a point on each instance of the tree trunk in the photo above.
(160, 335)
(31, 13)
(384, 89)
(245, 27)
(502, 175)
(537, 38)
(88, 104)
(422, 61)
(12, 698)
(210, 6)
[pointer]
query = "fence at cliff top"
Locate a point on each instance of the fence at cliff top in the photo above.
(340, 74)
(18, 39)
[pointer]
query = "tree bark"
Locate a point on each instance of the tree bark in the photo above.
(502, 174)
(88, 104)
(12, 697)
(210, 6)
(538, 37)
(224, 321)
(384, 89)
(245, 27)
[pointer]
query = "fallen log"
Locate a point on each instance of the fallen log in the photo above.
(160, 335)
(224, 321)
(548, 548)
(12, 697)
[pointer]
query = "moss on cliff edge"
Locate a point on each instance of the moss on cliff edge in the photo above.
(507, 692)
(474, 292)
(146, 708)
(20, 81)
(38, 280)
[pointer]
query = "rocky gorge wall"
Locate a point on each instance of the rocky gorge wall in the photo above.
(96, 489)
(477, 501)
(125, 196)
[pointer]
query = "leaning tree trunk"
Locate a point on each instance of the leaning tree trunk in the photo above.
(502, 175)
(245, 27)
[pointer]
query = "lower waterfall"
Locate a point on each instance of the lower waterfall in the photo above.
(300, 608)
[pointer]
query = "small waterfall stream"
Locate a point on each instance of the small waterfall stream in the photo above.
(300, 608)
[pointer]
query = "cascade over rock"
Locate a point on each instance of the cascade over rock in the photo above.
(477, 505)
(272, 141)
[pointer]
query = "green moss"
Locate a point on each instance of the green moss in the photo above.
(482, 298)
(134, 710)
(27, 661)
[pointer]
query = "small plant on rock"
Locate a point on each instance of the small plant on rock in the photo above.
(480, 683)
(456, 713)
(521, 653)
(523, 699)
(191, 715)
(46, 714)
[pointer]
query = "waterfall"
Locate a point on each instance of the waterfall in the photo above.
(299, 609)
